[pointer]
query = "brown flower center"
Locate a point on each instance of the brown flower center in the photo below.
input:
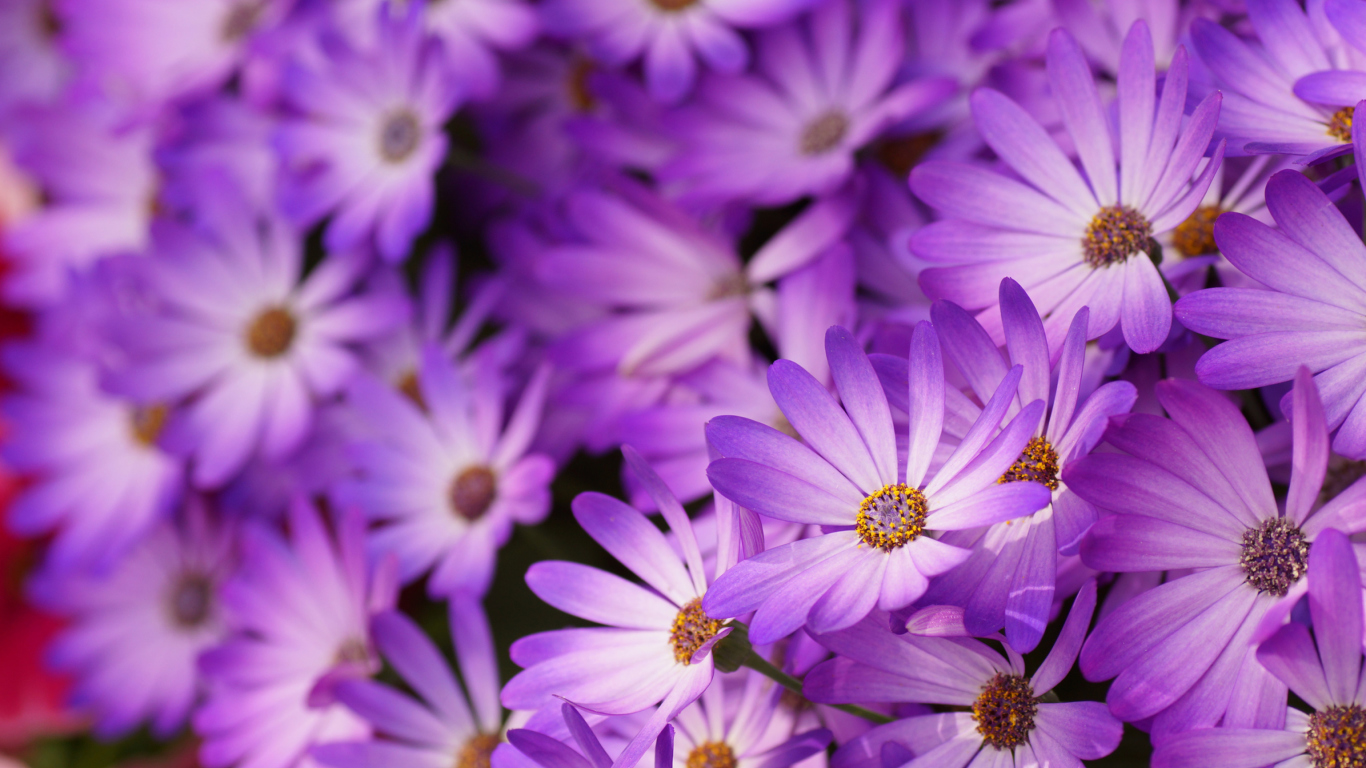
(1195, 235)
(1275, 555)
(409, 387)
(473, 491)
(712, 754)
(49, 23)
(1337, 737)
(271, 333)
(580, 94)
(147, 423)
(691, 630)
(673, 6)
(1038, 463)
(1004, 711)
(242, 18)
(478, 751)
(824, 133)
(899, 155)
(891, 517)
(1115, 234)
(353, 651)
(190, 601)
(1340, 125)
(399, 135)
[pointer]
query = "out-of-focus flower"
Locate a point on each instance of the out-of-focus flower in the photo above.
(238, 333)
(823, 88)
(366, 137)
(1263, 110)
(1009, 720)
(1009, 580)
(847, 477)
(441, 472)
(1192, 493)
(36, 69)
(137, 629)
(1072, 241)
(1323, 670)
(301, 610)
(1315, 265)
(657, 646)
(449, 726)
(101, 480)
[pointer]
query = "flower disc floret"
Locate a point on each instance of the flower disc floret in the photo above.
(1275, 555)
(399, 135)
(1005, 710)
(1115, 234)
(673, 6)
(190, 601)
(1340, 124)
(478, 751)
(891, 517)
(147, 423)
(1195, 235)
(1038, 463)
(271, 333)
(712, 754)
(1337, 737)
(824, 133)
(691, 630)
(473, 491)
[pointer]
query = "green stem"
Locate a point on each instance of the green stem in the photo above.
(761, 665)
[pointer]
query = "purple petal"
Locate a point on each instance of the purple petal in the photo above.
(789, 606)
(777, 494)
(841, 681)
(1132, 543)
(637, 544)
(1085, 728)
(1227, 748)
(545, 751)
(1133, 486)
(989, 465)
(981, 430)
(993, 504)
(1022, 143)
(411, 653)
(1082, 113)
(852, 597)
(1064, 652)
(1334, 88)
(1335, 606)
(584, 736)
(1290, 656)
(1070, 363)
(1228, 313)
(740, 438)
(1304, 213)
(1277, 261)
(822, 423)
(1309, 461)
(589, 593)
(969, 347)
(691, 685)
(746, 586)
(1137, 85)
(1146, 312)
(1025, 341)
(977, 194)
(392, 712)
(474, 651)
(863, 399)
(672, 512)
(1030, 600)
(926, 400)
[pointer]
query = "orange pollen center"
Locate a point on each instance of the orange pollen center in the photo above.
(1195, 235)
(891, 517)
(691, 630)
(712, 754)
(824, 133)
(473, 491)
(1340, 125)
(1038, 463)
(147, 423)
(1115, 234)
(271, 333)
(478, 751)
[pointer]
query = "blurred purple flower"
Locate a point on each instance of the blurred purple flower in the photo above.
(1324, 672)
(1073, 241)
(1192, 493)
(1315, 265)
(301, 611)
(365, 138)
(657, 645)
(823, 88)
(238, 333)
(1008, 719)
(448, 725)
(137, 629)
(847, 478)
(441, 472)
(101, 480)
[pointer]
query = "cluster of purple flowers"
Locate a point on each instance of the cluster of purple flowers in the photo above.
(989, 378)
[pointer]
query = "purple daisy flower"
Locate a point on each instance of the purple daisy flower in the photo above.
(670, 293)
(731, 725)
(367, 137)
(1324, 670)
(670, 35)
(237, 332)
(657, 646)
(1315, 265)
(443, 474)
(824, 87)
(1264, 111)
(1072, 240)
(1192, 495)
(1010, 722)
(100, 478)
(137, 629)
(302, 609)
(883, 515)
(446, 727)
(1009, 580)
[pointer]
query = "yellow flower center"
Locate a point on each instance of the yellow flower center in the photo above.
(891, 517)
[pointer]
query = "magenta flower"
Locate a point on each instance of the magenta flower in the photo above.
(302, 609)
(656, 647)
(1072, 240)
(137, 629)
(823, 88)
(846, 476)
(243, 339)
(448, 725)
(1315, 265)
(366, 138)
(1005, 719)
(1009, 580)
(1324, 670)
(441, 472)
(1191, 495)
